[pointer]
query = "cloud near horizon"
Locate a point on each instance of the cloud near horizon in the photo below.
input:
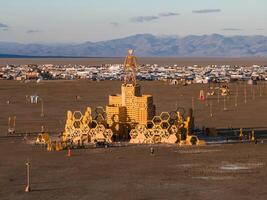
(34, 31)
(168, 14)
(232, 29)
(141, 19)
(3, 27)
(204, 11)
(115, 24)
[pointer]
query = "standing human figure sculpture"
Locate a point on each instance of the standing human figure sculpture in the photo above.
(130, 66)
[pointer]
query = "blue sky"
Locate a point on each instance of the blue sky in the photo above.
(61, 21)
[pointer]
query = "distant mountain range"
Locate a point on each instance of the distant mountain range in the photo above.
(147, 45)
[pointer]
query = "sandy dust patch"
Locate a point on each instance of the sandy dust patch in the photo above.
(213, 178)
(196, 151)
(188, 165)
(241, 166)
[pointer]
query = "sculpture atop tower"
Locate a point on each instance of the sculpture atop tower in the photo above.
(130, 67)
(131, 107)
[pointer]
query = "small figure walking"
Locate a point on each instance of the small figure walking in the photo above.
(69, 152)
(151, 150)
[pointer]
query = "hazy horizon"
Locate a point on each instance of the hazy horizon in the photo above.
(123, 37)
(67, 21)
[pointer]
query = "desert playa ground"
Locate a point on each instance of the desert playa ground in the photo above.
(210, 172)
(225, 171)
